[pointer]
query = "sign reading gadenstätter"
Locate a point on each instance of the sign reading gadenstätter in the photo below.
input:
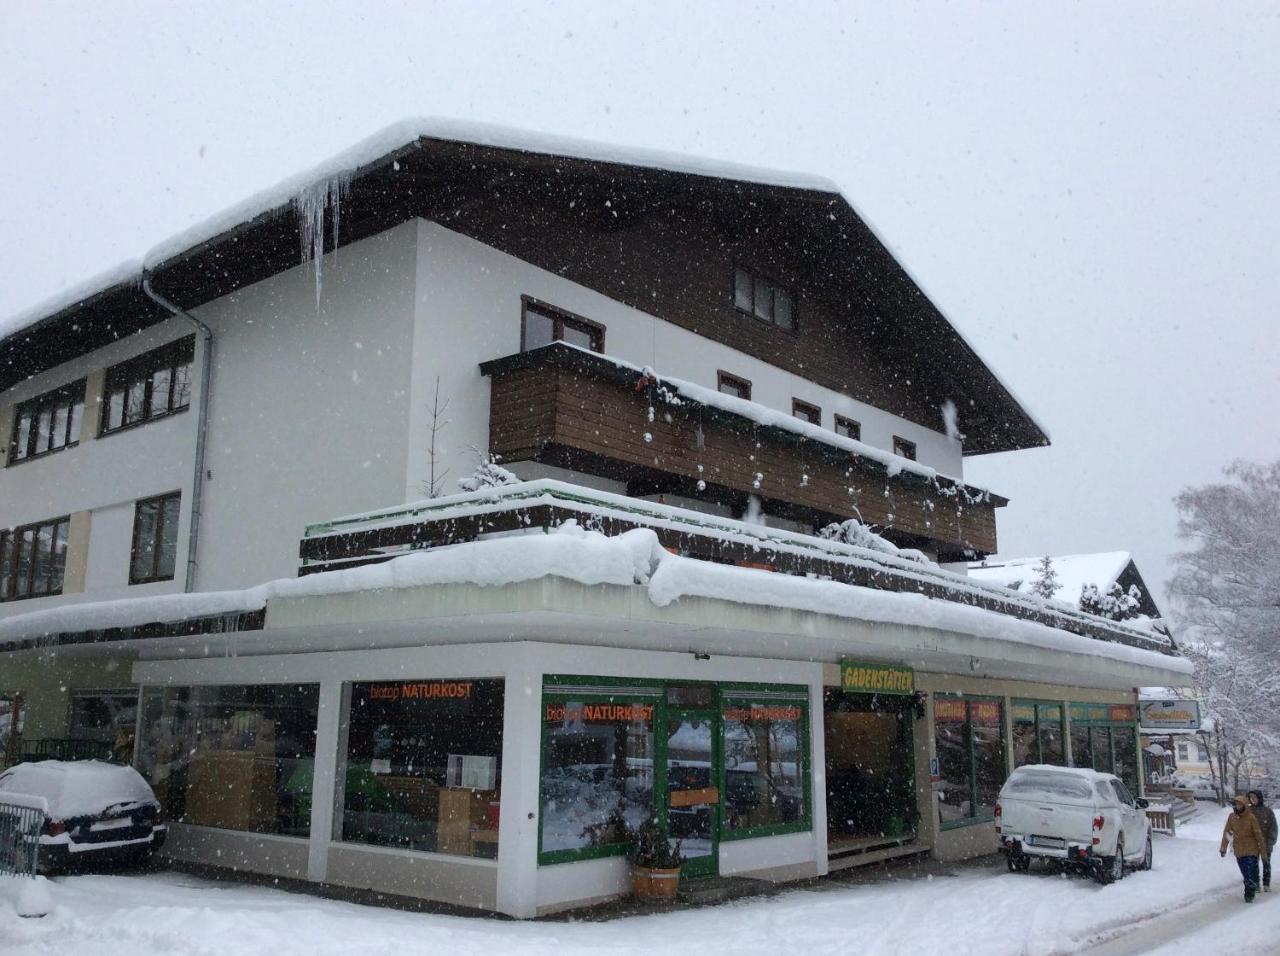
(859, 677)
(1157, 716)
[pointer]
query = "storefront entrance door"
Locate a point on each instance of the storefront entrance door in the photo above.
(693, 795)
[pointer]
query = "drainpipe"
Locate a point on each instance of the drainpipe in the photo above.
(202, 422)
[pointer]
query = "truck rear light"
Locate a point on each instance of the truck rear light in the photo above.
(1098, 821)
(998, 811)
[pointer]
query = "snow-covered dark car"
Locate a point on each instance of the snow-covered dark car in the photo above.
(95, 810)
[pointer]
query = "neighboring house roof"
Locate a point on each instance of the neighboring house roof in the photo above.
(1074, 572)
(446, 169)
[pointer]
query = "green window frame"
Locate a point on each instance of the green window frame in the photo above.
(974, 816)
(586, 689)
(741, 695)
(1041, 718)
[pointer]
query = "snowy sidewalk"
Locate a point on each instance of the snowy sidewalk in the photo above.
(978, 911)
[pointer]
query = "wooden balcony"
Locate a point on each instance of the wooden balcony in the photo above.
(563, 406)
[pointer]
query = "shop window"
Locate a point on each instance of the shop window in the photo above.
(542, 324)
(33, 559)
(1037, 733)
(424, 766)
(765, 772)
(869, 767)
(1124, 740)
(155, 539)
(232, 757)
(47, 423)
(149, 386)
(971, 763)
(106, 717)
(597, 769)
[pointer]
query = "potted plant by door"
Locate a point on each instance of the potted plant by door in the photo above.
(655, 863)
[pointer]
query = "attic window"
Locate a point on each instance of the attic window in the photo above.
(732, 385)
(848, 428)
(763, 298)
(542, 324)
(806, 412)
(903, 448)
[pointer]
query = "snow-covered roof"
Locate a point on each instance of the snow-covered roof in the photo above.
(633, 558)
(1074, 572)
(293, 192)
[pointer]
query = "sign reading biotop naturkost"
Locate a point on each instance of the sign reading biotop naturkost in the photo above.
(1160, 715)
(859, 677)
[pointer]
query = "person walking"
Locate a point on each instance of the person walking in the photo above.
(1245, 836)
(1267, 820)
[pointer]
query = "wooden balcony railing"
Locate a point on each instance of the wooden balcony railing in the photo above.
(563, 406)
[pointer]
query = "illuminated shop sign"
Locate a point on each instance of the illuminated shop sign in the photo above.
(421, 690)
(858, 677)
(761, 712)
(956, 710)
(1103, 713)
(597, 713)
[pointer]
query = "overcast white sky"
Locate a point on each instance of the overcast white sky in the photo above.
(1090, 193)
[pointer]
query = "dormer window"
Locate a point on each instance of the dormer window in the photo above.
(542, 324)
(903, 448)
(763, 298)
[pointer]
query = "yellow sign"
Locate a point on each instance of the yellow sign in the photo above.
(857, 677)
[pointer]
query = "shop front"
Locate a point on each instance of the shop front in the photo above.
(869, 737)
(1105, 738)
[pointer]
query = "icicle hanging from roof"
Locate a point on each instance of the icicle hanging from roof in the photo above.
(310, 205)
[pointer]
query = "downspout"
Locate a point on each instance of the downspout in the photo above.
(202, 423)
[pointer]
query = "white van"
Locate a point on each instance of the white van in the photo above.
(1077, 817)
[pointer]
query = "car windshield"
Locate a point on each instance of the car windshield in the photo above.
(1047, 781)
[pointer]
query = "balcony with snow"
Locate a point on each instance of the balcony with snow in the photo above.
(666, 439)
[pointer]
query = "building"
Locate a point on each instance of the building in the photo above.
(1074, 572)
(227, 551)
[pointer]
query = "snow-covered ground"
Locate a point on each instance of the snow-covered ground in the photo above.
(979, 910)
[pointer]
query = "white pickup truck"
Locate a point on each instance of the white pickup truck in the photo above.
(1074, 816)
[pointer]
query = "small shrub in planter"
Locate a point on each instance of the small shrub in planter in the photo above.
(655, 863)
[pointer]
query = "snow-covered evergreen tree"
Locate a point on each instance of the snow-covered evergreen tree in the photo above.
(489, 474)
(1046, 583)
(1227, 608)
(1115, 605)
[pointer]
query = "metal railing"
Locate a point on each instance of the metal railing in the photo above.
(21, 823)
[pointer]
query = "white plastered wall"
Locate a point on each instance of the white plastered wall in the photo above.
(468, 311)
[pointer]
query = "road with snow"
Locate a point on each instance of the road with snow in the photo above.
(1191, 896)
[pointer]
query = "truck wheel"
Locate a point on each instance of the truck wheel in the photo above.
(1146, 857)
(1111, 868)
(1018, 862)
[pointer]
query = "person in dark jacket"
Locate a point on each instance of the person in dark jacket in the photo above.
(1245, 836)
(1267, 820)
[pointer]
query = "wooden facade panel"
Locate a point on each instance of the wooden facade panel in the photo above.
(608, 421)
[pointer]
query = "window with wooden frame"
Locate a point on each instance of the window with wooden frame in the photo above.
(154, 554)
(848, 428)
(903, 448)
(542, 324)
(47, 423)
(149, 386)
(732, 385)
(763, 298)
(33, 559)
(806, 412)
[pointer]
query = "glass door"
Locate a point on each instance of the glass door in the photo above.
(692, 766)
